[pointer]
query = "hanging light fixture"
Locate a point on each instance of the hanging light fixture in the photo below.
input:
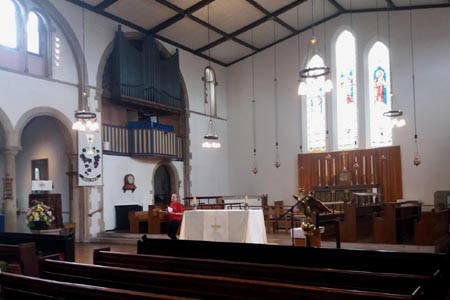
(417, 160)
(275, 89)
(255, 166)
(395, 111)
(211, 139)
(86, 121)
(316, 71)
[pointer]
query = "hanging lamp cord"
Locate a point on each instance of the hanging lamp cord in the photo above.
(413, 70)
(275, 80)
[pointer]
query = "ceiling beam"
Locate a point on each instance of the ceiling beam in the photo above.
(337, 6)
(275, 18)
(253, 25)
(179, 16)
(391, 4)
(104, 4)
(413, 7)
(288, 37)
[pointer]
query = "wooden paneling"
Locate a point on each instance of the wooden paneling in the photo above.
(353, 167)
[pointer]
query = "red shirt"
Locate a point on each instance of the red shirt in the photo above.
(177, 208)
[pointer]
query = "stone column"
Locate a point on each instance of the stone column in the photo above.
(74, 195)
(9, 188)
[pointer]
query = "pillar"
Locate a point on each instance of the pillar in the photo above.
(9, 188)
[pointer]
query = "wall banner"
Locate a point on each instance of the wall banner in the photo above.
(90, 158)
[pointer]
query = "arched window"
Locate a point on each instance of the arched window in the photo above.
(8, 24)
(347, 112)
(315, 109)
(379, 95)
(34, 28)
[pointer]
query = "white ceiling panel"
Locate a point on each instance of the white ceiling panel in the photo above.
(362, 4)
(263, 34)
(229, 15)
(189, 33)
(229, 51)
(184, 4)
(144, 13)
(305, 14)
(272, 6)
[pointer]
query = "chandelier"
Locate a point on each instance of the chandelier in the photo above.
(313, 70)
(86, 121)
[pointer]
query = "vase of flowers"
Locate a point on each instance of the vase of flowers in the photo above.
(39, 216)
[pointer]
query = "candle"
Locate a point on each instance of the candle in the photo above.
(371, 164)
(318, 163)
(334, 167)
(364, 165)
(326, 169)
(195, 200)
(246, 199)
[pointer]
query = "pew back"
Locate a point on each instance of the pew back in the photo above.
(200, 286)
(23, 254)
(24, 287)
(370, 281)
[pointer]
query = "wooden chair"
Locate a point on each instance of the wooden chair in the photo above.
(269, 218)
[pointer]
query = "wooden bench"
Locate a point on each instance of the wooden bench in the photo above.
(429, 264)
(46, 244)
(25, 287)
(431, 227)
(348, 279)
(200, 286)
(23, 256)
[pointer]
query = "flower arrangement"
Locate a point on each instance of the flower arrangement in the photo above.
(39, 213)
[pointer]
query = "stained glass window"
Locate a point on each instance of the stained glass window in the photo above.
(33, 43)
(379, 93)
(315, 109)
(347, 112)
(8, 24)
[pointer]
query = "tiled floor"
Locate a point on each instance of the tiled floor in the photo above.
(84, 251)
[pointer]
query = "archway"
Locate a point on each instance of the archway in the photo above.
(162, 185)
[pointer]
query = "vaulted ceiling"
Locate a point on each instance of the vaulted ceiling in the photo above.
(227, 31)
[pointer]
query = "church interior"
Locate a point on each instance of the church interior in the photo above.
(288, 129)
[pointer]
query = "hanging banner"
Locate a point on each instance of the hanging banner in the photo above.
(90, 158)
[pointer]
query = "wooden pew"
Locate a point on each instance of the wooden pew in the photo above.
(17, 287)
(46, 244)
(351, 259)
(23, 255)
(201, 286)
(348, 279)
(358, 221)
(431, 227)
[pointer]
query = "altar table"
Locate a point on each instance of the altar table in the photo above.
(221, 225)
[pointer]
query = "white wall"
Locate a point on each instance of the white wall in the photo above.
(432, 62)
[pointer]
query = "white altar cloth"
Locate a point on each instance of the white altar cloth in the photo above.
(220, 225)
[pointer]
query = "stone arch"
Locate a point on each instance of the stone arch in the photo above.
(63, 121)
(8, 129)
(173, 173)
(184, 98)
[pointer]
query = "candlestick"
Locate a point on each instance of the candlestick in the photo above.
(195, 200)
(364, 165)
(326, 172)
(246, 199)
(372, 176)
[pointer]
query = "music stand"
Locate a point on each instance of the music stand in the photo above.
(309, 205)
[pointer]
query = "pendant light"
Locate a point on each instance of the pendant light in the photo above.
(395, 111)
(211, 139)
(255, 166)
(417, 160)
(86, 121)
(313, 72)
(275, 89)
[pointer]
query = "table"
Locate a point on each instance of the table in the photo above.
(221, 225)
